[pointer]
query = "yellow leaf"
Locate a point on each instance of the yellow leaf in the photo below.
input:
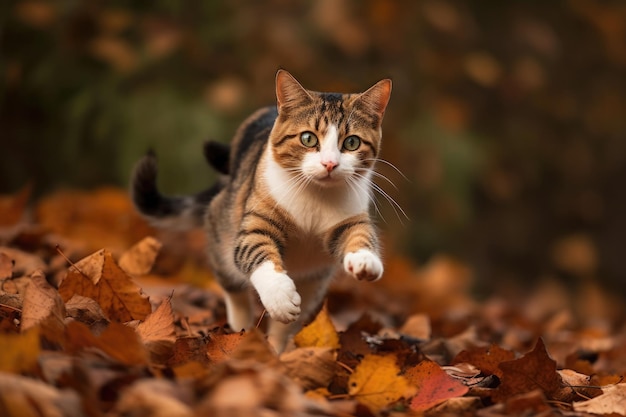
(100, 278)
(376, 382)
(319, 333)
(19, 351)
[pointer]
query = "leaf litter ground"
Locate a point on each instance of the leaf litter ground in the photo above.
(97, 318)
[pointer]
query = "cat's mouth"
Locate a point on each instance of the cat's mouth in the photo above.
(328, 180)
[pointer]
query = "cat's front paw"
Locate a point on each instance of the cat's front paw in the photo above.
(277, 293)
(363, 265)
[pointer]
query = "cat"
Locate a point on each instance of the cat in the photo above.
(291, 205)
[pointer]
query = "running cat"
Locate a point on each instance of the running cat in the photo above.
(292, 205)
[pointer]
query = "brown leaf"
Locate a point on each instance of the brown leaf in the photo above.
(24, 263)
(612, 401)
(535, 370)
(139, 259)
(434, 385)
(84, 309)
(12, 207)
(312, 367)
(118, 341)
(158, 333)
(25, 397)
(152, 397)
(487, 359)
(41, 301)
(417, 326)
(100, 278)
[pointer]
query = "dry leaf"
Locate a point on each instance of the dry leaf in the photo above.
(118, 341)
(319, 333)
(100, 278)
(41, 301)
(311, 367)
(12, 207)
(24, 263)
(221, 346)
(19, 351)
(84, 309)
(376, 382)
(486, 359)
(612, 401)
(434, 385)
(535, 370)
(152, 397)
(417, 326)
(254, 345)
(139, 259)
(25, 397)
(158, 333)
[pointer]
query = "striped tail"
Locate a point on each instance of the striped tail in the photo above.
(168, 212)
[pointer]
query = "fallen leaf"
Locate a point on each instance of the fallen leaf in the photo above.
(118, 341)
(612, 401)
(311, 367)
(25, 397)
(376, 382)
(84, 309)
(157, 332)
(153, 397)
(23, 263)
(319, 333)
(434, 385)
(220, 346)
(254, 345)
(417, 326)
(100, 278)
(534, 370)
(41, 301)
(486, 359)
(139, 259)
(19, 351)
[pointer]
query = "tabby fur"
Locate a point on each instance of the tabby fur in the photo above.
(291, 206)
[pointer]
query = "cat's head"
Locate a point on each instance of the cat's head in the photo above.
(327, 139)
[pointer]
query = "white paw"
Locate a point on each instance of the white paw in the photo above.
(277, 293)
(363, 265)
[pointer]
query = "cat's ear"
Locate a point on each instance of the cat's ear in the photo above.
(375, 99)
(289, 92)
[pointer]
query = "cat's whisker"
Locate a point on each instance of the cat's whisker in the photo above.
(357, 187)
(381, 176)
(392, 202)
(395, 168)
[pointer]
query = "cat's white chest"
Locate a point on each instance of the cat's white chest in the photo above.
(314, 209)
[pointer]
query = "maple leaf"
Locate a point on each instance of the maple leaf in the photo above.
(612, 401)
(434, 385)
(534, 370)
(376, 382)
(319, 333)
(100, 278)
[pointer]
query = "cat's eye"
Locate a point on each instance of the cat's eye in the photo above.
(308, 139)
(352, 143)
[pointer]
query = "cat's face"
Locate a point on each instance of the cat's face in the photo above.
(327, 139)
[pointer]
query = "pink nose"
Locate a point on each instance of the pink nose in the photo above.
(330, 165)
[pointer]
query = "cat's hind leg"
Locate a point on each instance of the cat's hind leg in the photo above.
(238, 309)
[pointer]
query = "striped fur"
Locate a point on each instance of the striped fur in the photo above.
(292, 206)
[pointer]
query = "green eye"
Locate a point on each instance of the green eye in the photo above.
(308, 139)
(352, 143)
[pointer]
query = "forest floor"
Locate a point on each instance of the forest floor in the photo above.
(98, 319)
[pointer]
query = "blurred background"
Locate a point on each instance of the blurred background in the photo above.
(508, 119)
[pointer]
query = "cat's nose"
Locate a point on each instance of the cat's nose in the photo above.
(330, 165)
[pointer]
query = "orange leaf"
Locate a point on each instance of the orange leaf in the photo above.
(138, 260)
(221, 346)
(41, 300)
(434, 385)
(12, 206)
(376, 382)
(535, 370)
(319, 333)
(99, 277)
